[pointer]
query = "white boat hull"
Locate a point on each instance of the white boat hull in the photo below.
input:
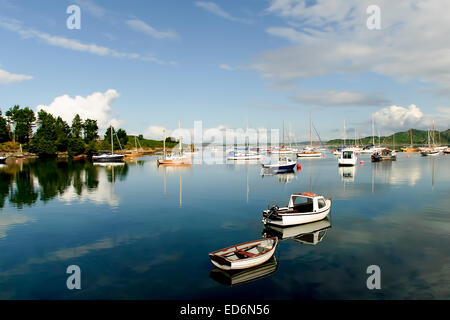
(300, 218)
(309, 155)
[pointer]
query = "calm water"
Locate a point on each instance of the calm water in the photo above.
(142, 232)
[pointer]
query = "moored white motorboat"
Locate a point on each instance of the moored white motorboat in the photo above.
(244, 255)
(2, 159)
(283, 164)
(347, 157)
(302, 208)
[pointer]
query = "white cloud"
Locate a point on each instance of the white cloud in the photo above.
(329, 37)
(73, 44)
(156, 133)
(96, 106)
(397, 117)
(7, 77)
(141, 26)
(327, 98)
(91, 7)
(226, 67)
(218, 11)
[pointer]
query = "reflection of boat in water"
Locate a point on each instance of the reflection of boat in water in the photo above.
(311, 233)
(109, 164)
(302, 208)
(245, 255)
(347, 173)
(232, 278)
(283, 177)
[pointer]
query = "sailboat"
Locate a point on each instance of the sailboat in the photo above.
(309, 152)
(104, 157)
(135, 153)
(284, 163)
(411, 147)
(243, 153)
(430, 150)
(173, 159)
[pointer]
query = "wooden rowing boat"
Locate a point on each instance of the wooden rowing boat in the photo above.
(245, 255)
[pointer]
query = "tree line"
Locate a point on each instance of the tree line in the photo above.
(45, 135)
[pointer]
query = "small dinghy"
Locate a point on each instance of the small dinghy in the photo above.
(245, 255)
(302, 208)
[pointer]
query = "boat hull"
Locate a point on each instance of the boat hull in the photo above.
(2, 159)
(293, 219)
(279, 168)
(309, 154)
(111, 158)
(240, 264)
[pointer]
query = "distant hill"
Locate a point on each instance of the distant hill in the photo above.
(420, 137)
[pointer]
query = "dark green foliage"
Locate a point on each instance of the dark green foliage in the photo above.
(22, 121)
(75, 146)
(91, 148)
(122, 136)
(4, 129)
(90, 129)
(77, 127)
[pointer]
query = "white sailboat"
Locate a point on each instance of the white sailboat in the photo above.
(104, 157)
(309, 152)
(173, 158)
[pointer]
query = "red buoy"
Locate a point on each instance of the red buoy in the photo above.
(299, 166)
(361, 162)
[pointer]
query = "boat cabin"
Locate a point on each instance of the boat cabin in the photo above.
(306, 202)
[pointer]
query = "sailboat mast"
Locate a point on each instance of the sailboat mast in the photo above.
(345, 134)
(410, 132)
(373, 132)
(112, 144)
(310, 130)
(283, 135)
(179, 137)
(164, 143)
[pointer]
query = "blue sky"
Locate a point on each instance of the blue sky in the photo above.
(226, 62)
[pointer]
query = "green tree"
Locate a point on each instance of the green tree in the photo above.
(62, 130)
(75, 146)
(90, 129)
(44, 141)
(91, 148)
(23, 121)
(4, 129)
(77, 127)
(123, 137)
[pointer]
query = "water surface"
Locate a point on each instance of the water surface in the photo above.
(142, 232)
